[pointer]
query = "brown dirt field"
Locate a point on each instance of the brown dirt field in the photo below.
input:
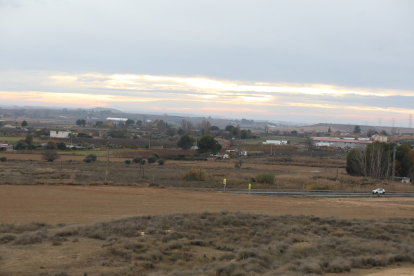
(82, 204)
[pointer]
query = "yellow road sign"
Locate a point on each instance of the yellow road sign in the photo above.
(250, 186)
(224, 181)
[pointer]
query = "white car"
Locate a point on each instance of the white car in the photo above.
(379, 191)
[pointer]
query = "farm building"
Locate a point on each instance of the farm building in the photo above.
(340, 143)
(275, 142)
(59, 134)
(116, 120)
(5, 147)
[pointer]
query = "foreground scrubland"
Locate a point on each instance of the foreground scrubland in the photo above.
(222, 243)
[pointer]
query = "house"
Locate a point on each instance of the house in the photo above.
(379, 138)
(59, 134)
(194, 147)
(9, 126)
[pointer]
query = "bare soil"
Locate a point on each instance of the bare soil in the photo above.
(82, 204)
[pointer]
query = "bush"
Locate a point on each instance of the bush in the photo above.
(264, 177)
(156, 155)
(161, 161)
(137, 159)
(195, 175)
(92, 157)
(51, 144)
(127, 162)
(87, 160)
(152, 159)
(3, 159)
(21, 146)
(61, 146)
(50, 155)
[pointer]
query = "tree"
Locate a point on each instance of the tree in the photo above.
(244, 134)
(371, 132)
(24, 124)
(50, 155)
(81, 122)
(170, 132)
(329, 130)
(51, 144)
(129, 122)
(180, 131)
(384, 133)
(208, 144)
(137, 159)
(1, 124)
(294, 132)
(357, 130)
(161, 125)
(375, 161)
(20, 145)
(61, 146)
(161, 161)
(29, 140)
(139, 123)
(99, 124)
(229, 128)
(214, 128)
(152, 159)
(185, 142)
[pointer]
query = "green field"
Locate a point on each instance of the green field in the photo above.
(11, 139)
(86, 152)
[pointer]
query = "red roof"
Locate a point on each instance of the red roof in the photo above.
(342, 140)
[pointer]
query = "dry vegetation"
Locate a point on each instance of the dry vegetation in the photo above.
(176, 174)
(215, 244)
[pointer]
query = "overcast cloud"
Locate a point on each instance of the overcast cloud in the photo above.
(358, 46)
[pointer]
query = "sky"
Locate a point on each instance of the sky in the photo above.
(300, 61)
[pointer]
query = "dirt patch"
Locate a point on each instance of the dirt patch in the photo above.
(81, 204)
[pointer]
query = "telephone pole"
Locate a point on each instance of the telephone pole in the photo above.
(107, 158)
(393, 162)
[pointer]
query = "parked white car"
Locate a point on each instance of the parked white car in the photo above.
(379, 191)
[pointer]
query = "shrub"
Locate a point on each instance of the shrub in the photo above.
(50, 155)
(156, 155)
(152, 159)
(127, 162)
(87, 160)
(161, 161)
(137, 159)
(3, 159)
(264, 177)
(321, 187)
(61, 146)
(195, 175)
(92, 157)
(51, 144)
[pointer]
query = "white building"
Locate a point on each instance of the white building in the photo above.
(59, 134)
(116, 120)
(379, 138)
(275, 142)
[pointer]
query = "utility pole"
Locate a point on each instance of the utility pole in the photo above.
(107, 158)
(393, 163)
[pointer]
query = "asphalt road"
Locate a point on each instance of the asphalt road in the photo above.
(322, 194)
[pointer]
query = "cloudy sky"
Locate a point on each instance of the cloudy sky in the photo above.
(302, 61)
